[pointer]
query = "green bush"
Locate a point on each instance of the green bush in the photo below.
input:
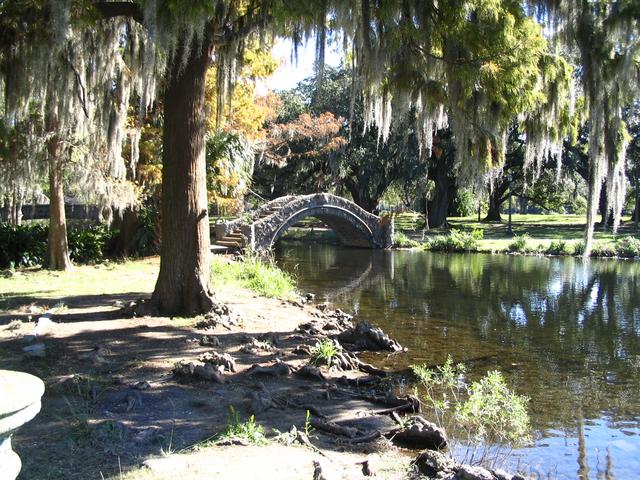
(401, 240)
(628, 247)
(558, 247)
(456, 241)
(26, 245)
(602, 250)
(519, 244)
(89, 244)
(493, 414)
(489, 414)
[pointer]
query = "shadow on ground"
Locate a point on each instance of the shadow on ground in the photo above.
(111, 399)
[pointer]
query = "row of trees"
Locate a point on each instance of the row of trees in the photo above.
(470, 65)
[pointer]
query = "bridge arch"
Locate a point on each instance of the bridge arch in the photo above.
(349, 227)
(261, 228)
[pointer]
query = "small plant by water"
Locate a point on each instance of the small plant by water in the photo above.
(519, 244)
(401, 240)
(628, 247)
(488, 415)
(559, 247)
(324, 351)
(249, 431)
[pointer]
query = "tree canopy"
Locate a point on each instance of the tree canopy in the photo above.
(473, 65)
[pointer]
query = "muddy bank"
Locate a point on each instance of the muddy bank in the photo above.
(154, 392)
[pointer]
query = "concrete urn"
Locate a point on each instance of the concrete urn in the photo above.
(20, 395)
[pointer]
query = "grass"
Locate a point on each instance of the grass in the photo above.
(39, 285)
(249, 432)
(263, 277)
(49, 288)
(531, 233)
(541, 229)
(323, 352)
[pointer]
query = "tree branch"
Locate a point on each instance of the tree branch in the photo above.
(120, 9)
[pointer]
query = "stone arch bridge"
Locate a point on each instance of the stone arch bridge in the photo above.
(261, 228)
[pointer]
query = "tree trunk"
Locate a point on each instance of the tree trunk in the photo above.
(495, 201)
(636, 211)
(127, 227)
(57, 240)
(606, 216)
(438, 207)
(16, 209)
(183, 285)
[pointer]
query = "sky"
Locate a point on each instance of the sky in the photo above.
(290, 73)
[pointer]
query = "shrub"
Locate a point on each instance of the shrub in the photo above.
(602, 250)
(493, 414)
(443, 389)
(628, 247)
(558, 247)
(26, 245)
(519, 244)
(89, 244)
(490, 417)
(578, 248)
(403, 241)
(456, 241)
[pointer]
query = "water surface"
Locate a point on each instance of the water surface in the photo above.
(564, 332)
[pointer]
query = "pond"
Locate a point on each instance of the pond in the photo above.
(564, 332)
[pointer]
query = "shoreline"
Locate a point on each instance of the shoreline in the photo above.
(139, 398)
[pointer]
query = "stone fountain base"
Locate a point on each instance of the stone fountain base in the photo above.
(20, 395)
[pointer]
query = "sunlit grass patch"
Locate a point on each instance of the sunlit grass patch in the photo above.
(24, 287)
(261, 276)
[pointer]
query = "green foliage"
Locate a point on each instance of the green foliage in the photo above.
(26, 245)
(401, 240)
(263, 277)
(23, 246)
(456, 241)
(443, 388)
(308, 429)
(146, 240)
(489, 414)
(628, 247)
(324, 351)
(229, 160)
(249, 431)
(87, 245)
(558, 247)
(519, 244)
(493, 414)
(464, 205)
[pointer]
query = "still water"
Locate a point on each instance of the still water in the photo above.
(564, 332)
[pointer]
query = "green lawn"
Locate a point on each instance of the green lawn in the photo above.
(542, 230)
(113, 278)
(87, 283)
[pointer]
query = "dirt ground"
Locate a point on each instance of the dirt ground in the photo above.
(112, 403)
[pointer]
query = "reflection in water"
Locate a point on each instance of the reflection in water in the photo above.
(565, 332)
